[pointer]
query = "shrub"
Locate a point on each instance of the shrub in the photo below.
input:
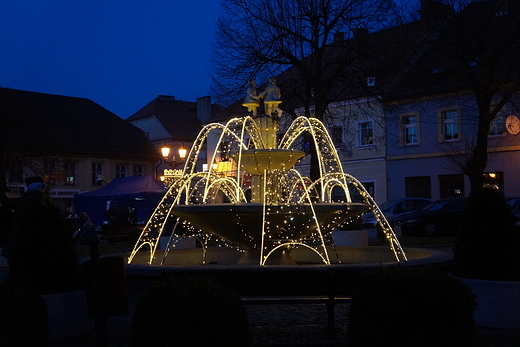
(402, 306)
(23, 317)
(488, 243)
(190, 312)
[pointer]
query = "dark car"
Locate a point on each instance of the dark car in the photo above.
(392, 209)
(440, 217)
(514, 206)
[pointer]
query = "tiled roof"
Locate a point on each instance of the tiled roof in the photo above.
(178, 117)
(476, 32)
(46, 124)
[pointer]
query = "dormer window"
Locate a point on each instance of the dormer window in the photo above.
(371, 81)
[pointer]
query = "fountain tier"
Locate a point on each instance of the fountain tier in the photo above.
(242, 223)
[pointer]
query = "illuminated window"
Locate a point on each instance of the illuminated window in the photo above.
(70, 173)
(494, 180)
(409, 130)
(365, 134)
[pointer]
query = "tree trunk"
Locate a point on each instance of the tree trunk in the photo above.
(476, 165)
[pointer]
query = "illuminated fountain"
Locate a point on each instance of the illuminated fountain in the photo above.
(260, 203)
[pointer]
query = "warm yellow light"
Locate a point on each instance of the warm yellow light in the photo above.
(165, 151)
(182, 152)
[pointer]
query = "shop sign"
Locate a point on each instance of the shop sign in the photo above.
(64, 193)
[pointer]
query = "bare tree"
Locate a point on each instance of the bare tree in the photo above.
(479, 54)
(262, 38)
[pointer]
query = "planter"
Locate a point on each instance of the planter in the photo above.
(498, 303)
(68, 315)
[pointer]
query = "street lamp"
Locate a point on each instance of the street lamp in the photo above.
(165, 151)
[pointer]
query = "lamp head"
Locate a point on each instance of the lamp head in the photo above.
(165, 151)
(182, 152)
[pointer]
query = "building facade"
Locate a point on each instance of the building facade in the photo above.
(73, 143)
(175, 124)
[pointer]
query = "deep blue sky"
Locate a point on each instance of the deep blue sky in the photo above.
(119, 53)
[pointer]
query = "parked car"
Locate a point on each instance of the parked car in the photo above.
(514, 205)
(440, 217)
(392, 209)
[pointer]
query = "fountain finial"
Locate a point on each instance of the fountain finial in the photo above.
(251, 101)
(272, 96)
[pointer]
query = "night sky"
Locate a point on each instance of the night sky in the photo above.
(120, 54)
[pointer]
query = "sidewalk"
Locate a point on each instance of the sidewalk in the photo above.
(287, 325)
(276, 325)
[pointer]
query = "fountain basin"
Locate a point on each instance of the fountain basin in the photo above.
(368, 257)
(242, 223)
(255, 161)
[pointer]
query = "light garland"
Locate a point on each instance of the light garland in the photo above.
(288, 200)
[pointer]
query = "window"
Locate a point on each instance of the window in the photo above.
(418, 187)
(498, 125)
(97, 174)
(409, 130)
(138, 170)
(450, 125)
(355, 195)
(365, 134)
(224, 151)
(50, 172)
(371, 81)
(70, 173)
(306, 145)
(336, 134)
(338, 194)
(494, 180)
(451, 185)
(120, 170)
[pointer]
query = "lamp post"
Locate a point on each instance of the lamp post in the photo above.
(165, 151)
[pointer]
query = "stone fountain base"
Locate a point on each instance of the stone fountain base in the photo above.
(369, 256)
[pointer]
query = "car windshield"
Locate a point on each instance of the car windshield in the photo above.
(436, 205)
(387, 206)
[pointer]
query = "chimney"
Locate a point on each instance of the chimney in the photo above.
(204, 108)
